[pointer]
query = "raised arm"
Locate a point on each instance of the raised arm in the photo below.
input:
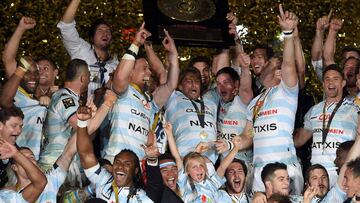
(245, 90)
(155, 63)
(301, 137)
(172, 146)
(38, 180)
(67, 155)
(70, 11)
(12, 46)
(229, 158)
(299, 58)
(330, 42)
(11, 85)
(317, 47)
(287, 22)
(84, 143)
(126, 65)
(163, 92)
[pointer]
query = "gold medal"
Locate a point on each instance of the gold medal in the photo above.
(203, 135)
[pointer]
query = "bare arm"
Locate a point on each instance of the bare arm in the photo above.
(301, 137)
(155, 63)
(245, 140)
(84, 144)
(229, 158)
(126, 65)
(317, 46)
(9, 89)
(245, 90)
(288, 22)
(12, 46)
(38, 180)
(67, 155)
(162, 93)
(330, 42)
(299, 58)
(172, 146)
(70, 12)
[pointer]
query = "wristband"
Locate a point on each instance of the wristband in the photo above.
(24, 65)
(230, 145)
(134, 49)
(82, 124)
(287, 33)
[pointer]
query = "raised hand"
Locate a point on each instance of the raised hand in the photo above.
(90, 104)
(109, 98)
(310, 193)
(221, 146)
(83, 113)
(150, 148)
(141, 36)
(336, 24)
(26, 23)
(7, 150)
(169, 43)
(202, 147)
(233, 22)
(244, 60)
(287, 20)
(323, 22)
(44, 100)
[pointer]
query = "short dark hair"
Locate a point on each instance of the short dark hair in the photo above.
(166, 156)
(333, 67)
(46, 58)
(230, 71)
(103, 161)
(74, 68)
(189, 70)
(269, 170)
(13, 111)
(279, 198)
(313, 167)
(95, 25)
(196, 59)
(357, 63)
(268, 49)
(349, 48)
(354, 166)
(242, 163)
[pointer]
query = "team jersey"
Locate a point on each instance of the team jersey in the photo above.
(342, 128)
(78, 48)
(11, 196)
(130, 118)
(55, 178)
(102, 180)
(57, 130)
(34, 116)
(335, 194)
(205, 191)
(274, 124)
(181, 113)
(223, 196)
(231, 120)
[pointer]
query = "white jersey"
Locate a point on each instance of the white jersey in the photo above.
(181, 113)
(205, 191)
(225, 197)
(11, 196)
(274, 125)
(335, 194)
(102, 180)
(231, 121)
(81, 49)
(55, 178)
(57, 130)
(130, 118)
(34, 116)
(341, 129)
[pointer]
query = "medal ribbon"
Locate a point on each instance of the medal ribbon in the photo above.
(325, 131)
(259, 104)
(116, 191)
(201, 113)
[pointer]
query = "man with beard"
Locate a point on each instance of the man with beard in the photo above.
(350, 66)
(134, 109)
(329, 122)
(96, 54)
(11, 122)
(235, 183)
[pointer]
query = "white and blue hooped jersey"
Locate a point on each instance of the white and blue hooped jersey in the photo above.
(102, 180)
(57, 130)
(206, 191)
(342, 128)
(223, 196)
(274, 125)
(231, 121)
(335, 194)
(55, 178)
(131, 118)
(11, 196)
(34, 116)
(180, 112)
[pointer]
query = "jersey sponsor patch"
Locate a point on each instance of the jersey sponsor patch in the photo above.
(68, 102)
